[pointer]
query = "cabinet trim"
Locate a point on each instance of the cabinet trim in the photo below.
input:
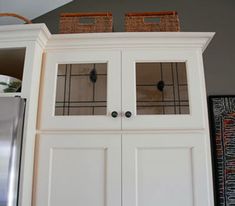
(130, 40)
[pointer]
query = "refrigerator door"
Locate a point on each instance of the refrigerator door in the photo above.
(11, 129)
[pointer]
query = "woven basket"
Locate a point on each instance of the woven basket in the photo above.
(85, 22)
(160, 21)
(27, 21)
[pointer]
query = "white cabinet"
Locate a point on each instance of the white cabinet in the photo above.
(79, 169)
(123, 121)
(129, 85)
(62, 68)
(85, 169)
(21, 51)
(165, 169)
(143, 62)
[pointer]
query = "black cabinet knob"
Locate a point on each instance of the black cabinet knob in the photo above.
(114, 114)
(128, 114)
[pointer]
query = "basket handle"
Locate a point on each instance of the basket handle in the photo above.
(145, 14)
(17, 16)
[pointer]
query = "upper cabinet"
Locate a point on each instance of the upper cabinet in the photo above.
(81, 90)
(21, 48)
(122, 100)
(124, 81)
(162, 89)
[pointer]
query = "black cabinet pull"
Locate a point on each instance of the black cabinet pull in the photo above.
(128, 114)
(114, 114)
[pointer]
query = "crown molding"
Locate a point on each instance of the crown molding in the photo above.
(131, 40)
(25, 33)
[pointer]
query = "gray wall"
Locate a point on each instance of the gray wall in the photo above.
(195, 15)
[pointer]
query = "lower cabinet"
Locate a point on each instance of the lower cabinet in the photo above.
(122, 169)
(78, 170)
(165, 170)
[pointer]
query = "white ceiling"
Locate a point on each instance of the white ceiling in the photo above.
(27, 8)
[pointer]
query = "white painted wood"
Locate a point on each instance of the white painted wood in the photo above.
(78, 170)
(195, 120)
(165, 159)
(207, 129)
(146, 139)
(33, 38)
(16, 36)
(49, 121)
(120, 40)
(166, 170)
(31, 76)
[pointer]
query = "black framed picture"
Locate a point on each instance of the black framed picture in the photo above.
(222, 116)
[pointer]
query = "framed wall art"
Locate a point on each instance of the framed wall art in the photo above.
(222, 113)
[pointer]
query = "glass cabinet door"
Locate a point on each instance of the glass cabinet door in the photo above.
(82, 90)
(164, 90)
(161, 88)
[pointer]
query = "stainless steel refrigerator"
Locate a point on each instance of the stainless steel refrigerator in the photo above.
(11, 132)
